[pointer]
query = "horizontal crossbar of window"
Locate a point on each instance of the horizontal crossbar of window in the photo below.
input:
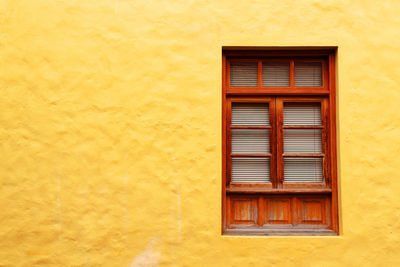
(297, 155)
(251, 155)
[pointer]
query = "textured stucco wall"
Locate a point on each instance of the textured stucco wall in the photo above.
(110, 129)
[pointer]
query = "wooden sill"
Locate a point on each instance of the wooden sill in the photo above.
(253, 190)
(290, 91)
(279, 232)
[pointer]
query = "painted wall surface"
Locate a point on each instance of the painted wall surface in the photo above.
(110, 129)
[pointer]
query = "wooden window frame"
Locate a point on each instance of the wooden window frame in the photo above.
(325, 147)
(298, 194)
(271, 155)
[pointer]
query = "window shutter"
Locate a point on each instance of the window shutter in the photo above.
(254, 169)
(302, 141)
(250, 114)
(250, 141)
(250, 170)
(275, 74)
(302, 114)
(308, 74)
(303, 170)
(243, 74)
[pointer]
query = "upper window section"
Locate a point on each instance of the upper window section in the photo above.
(290, 75)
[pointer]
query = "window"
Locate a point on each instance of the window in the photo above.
(279, 142)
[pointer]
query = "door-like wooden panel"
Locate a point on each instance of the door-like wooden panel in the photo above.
(278, 210)
(243, 210)
(313, 210)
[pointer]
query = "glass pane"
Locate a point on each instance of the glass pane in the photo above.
(303, 170)
(250, 170)
(250, 114)
(302, 114)
(308, 74)
(276, 74)
(243, 74)
(302, 141)
(250, 141)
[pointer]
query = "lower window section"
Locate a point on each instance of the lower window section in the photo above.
(287, 214)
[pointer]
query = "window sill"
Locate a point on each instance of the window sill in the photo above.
(255, 190)
(279, 232)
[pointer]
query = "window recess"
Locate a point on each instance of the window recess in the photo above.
(279, 159)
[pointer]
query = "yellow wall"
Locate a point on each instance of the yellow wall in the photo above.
(110, 129)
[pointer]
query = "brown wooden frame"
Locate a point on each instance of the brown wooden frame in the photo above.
(275, 96)
(280, 153)
(271, 155)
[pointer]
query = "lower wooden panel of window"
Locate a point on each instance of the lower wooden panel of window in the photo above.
(271, 214)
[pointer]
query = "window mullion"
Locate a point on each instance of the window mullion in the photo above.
(229, 142)
(291, 73)
(325, 144)
(273, 142)
(259, 73)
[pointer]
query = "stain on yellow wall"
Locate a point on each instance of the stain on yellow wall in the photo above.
(110, 129)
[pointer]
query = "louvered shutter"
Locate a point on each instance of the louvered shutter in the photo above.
(250, 114)
(276, 74)
(302, 141)
(308, 74)
(250, 170)
(243, 74)
(302, 114)
(245, 169)
(303, 170)
(250, 141)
